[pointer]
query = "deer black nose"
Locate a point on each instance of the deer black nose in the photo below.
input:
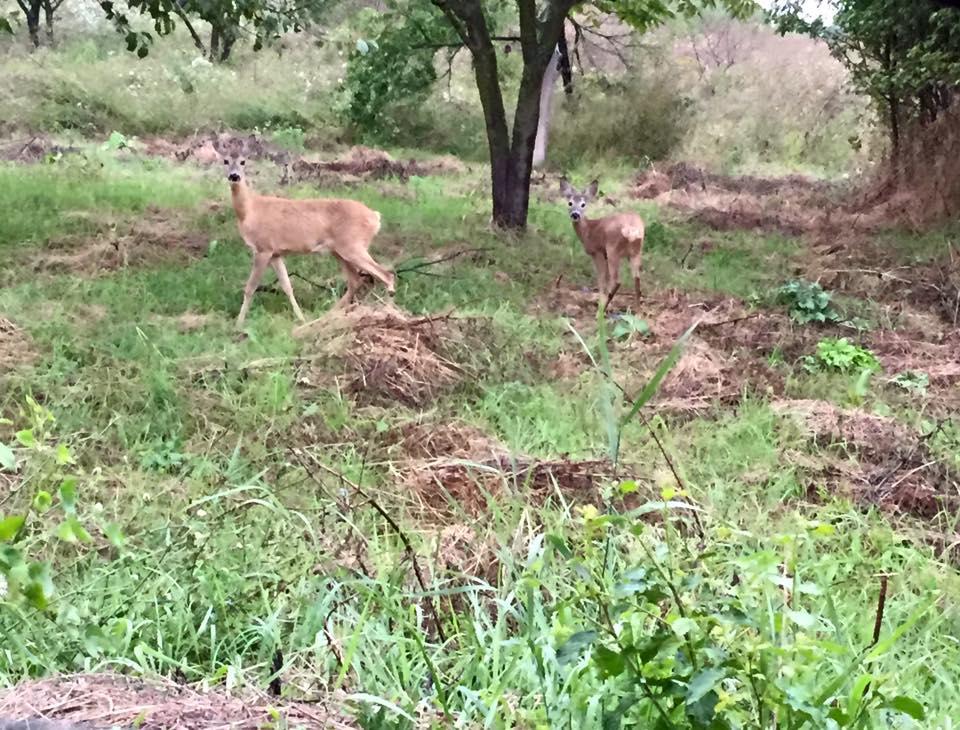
(575, 215)
(234, 177)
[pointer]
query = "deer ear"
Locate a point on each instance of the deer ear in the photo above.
(593, 189)
(565, 187)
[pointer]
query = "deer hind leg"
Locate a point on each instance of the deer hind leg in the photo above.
(281, 269)
(363, 261)
(635, 265)
(353, 279)
(260, 263)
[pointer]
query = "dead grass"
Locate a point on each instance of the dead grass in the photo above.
(891, 467)
(99, 700)
(16, 347)
(147, 240)
(389, 356)
(450, 471)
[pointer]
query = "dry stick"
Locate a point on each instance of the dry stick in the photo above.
(411, 268)
(407, 545)
(710, 325)
(878, 621)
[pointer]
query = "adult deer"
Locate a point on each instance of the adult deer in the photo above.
(275, 227)
(606, 240)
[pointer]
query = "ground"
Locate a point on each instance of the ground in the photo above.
(317, 510)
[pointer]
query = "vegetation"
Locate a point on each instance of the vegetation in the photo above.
(489, 502)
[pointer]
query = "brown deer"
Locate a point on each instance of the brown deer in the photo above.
(275, 227)
(606, 240)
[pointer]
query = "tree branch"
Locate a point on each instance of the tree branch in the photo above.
(197, 41)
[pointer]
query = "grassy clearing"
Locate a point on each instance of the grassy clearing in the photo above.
(222, 540)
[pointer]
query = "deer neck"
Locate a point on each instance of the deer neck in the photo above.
(242, 197)
(582, 227)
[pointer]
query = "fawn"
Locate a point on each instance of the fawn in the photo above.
(606, 240)
(274, 227)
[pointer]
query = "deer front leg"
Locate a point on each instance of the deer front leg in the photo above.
(613, 272)
(600, 265)
(281, 268)
(260, 263)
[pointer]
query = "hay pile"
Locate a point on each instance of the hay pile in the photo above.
(390, 356)
(452, 471)
(112, 700)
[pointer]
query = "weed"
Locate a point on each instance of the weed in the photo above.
(841, 356)
(807, 302)
(912, 381)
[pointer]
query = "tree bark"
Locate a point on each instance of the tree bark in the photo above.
(214, 52)
(546, 108)
(566, 70)
(32, 13)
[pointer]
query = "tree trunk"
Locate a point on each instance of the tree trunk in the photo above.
(566, 70)
(33, 24)
(546, 109)
(226, 46)
(214, 52)
(48, 11)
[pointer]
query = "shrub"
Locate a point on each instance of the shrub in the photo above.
(842, 356)
(807, 302)
(641, 116)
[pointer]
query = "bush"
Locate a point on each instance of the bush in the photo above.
(640, 117)
(807, 302)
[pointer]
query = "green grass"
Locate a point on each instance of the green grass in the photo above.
(233, 550)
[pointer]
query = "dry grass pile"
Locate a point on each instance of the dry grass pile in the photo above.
(149, 239)
(452, 471)
(894, 467)
(201, 150)
(366, 163)
(390, 356)
(793, 205)
(112, 700)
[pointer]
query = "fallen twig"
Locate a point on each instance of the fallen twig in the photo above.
(415, 267)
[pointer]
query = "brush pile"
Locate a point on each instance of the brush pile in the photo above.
(389, 356)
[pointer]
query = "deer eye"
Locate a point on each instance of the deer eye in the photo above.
(226, 162)
(570, 203)
(583, 204)
(243, 162)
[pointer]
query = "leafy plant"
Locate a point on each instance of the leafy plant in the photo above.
(807, 302)
(744, 644)
(912, 381)
(630, 324)
(842, 356)
(291, 138)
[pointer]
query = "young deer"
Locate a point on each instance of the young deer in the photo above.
(606, 240)
(274, 227)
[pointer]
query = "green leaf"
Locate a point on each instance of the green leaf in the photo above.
(856, 694)
(611, 663)
(63, 455)
(8, 460)
(68, 495)
(42, 501)
(575, 645)
(72, 531)
(908, 706)
(10, 527)
(26, 438)
(803, 619)
(651, 388)
(114, 534)
(702, 683)
(683, 626)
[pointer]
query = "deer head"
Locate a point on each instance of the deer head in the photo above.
(577, 201)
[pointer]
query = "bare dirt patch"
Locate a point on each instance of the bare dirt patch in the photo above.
(894, 467)
(16, 347)
(115, 700)
(153, 238)
(389, 355)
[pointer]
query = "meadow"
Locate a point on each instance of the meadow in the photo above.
(485, 502)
